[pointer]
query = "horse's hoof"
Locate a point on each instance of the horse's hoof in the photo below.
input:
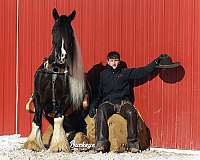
(32, 145)
(81, 139)
(59, 147)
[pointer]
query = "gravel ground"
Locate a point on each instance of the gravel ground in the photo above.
(10, 148)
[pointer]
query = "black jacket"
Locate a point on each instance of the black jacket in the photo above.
(116, 84)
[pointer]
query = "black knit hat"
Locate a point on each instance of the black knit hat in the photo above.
(113, 55)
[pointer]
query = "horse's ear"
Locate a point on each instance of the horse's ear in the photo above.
(72, 15)
(55, 14)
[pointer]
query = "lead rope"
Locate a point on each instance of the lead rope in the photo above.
(54, 76)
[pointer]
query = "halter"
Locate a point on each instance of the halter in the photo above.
(57, 70)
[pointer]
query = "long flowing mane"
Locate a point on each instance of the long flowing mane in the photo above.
(77, 81)
(66, 45)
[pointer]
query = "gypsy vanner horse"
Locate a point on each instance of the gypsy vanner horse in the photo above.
(59, 86)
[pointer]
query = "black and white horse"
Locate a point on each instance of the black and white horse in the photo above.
(58, 86)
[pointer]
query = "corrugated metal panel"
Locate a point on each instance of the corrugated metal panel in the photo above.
(35, 43)
(140, 30)
(195, 78)
(7, 78)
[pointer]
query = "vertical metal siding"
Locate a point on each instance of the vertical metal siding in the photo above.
(7, 78)
(35, 43)
(140, 30)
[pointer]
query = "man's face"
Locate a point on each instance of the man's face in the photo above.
(113, 63)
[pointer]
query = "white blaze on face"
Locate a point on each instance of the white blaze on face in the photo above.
(63, 52)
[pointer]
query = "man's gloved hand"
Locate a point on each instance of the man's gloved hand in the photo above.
(162, 56)
(92, 110)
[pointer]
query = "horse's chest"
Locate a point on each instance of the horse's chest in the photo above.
(57, 88)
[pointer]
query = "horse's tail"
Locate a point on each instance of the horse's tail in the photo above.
(76, 81)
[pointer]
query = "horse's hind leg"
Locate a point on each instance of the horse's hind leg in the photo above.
(59, 140)
(34, 141)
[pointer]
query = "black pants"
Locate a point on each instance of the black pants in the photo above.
(107, 109)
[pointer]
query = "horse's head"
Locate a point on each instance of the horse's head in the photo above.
(63, 37)
(66, 54)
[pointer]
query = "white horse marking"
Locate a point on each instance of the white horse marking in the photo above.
(36, 135)
(63, 52)
(59, 140)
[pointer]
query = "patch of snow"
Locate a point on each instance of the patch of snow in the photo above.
(11, 149)
(183, 151)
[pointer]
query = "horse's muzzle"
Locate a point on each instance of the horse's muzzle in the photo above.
(60, 62)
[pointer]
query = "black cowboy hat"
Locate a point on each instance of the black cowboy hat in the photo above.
(166, 62)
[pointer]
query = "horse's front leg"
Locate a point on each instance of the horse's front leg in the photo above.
(34, 141)
(59, 140)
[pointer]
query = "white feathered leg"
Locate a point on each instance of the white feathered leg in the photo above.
(34, 141)
(59, 140)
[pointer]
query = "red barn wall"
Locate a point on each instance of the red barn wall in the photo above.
(8, 67)
(140, 31)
